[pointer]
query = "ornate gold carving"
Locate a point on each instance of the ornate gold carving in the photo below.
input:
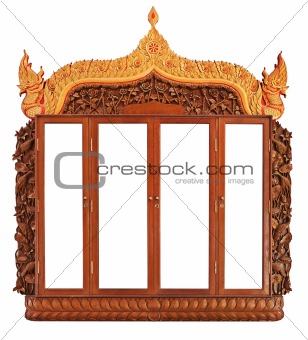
(152, 53)
(153, 17)
(273, 86)
(281, 210)
(25, 209)
(99, 98)
(152, 72)
(154, 309)
(32, 84)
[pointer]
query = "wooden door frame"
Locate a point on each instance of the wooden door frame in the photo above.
(153, 148)
(41, 289)
(90, 132)
(266, 207)
(169, 306)
(94, 122)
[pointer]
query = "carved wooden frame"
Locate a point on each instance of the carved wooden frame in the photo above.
(152, 73)
(153, 309)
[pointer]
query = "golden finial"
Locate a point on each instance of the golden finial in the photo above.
(153, 17)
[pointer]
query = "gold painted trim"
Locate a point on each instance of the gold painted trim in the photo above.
(72, 85)
(152, 54)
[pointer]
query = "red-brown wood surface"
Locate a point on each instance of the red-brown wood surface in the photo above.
(266, 247)
(265, 307)
(40, 211)
(153, 108)
(216, 214)
(154, 309)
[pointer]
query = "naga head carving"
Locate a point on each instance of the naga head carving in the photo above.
(29, 80)
(277, 80)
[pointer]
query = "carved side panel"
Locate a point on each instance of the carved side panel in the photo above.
(154, 309)
(281, 210)
(197, 99)
(25, 209)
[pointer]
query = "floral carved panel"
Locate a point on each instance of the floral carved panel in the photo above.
(25, 209)
(281, 209)
(154, 309)
(197, 99)
(25, 205)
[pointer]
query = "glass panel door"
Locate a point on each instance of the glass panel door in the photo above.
(123, 206)
(63, 206)
(201, 223)
(184, 220)
(243, 203)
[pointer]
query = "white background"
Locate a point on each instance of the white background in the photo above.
(234, 31)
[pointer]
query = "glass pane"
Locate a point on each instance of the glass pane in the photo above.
(123, 206)
(243, 206)
(63, 207)
(184, 206)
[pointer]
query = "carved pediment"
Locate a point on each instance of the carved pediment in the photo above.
(152, 56)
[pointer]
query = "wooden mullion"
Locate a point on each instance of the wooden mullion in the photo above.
(156, 211)
(221, 211)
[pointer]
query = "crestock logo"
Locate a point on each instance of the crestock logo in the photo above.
(57, 170)
(172, 170)
(178, 170)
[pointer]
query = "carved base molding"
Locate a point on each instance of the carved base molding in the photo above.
(153, 309)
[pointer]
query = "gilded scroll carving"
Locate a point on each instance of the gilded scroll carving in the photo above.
(25, 209)
(154, 309)
(274, 86)
(32, 84)
(196, 99)
(281, 209)
(152, 54)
